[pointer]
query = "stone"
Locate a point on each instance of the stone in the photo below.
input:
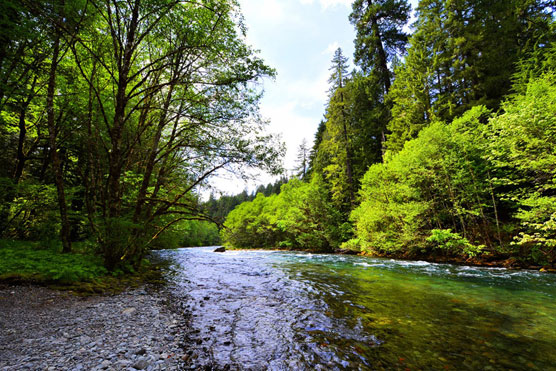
(220, 249)
(105, 364)
(123, 362)
(141, 351)
(109, 332)
(129, 311)
(141, 364)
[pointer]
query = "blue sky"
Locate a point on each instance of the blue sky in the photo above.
(298, 39)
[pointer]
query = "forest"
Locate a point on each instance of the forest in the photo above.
(439, 144)
(113, 114)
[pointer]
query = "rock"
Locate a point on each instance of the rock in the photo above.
(129, 311)
(220, 249)
(112, 333)
(141, 364)
(141, 352)
(105, 364)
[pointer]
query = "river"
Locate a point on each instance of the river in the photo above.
(289, 310)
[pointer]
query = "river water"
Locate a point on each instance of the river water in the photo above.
(287, 310)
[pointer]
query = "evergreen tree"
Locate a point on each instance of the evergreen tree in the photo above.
(302, 159)
(379, 35)
(379, 40)
(340, 74)
(340, 171)
(314, 156)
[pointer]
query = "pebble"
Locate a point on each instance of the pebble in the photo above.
(53, 330)
(141, 364)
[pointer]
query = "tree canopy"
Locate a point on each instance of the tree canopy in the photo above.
(118, 112)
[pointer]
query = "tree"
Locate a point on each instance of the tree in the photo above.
(142, 101)
(178, 97)
(437, 185)
(314, 163)
(302, 160)
(301, 216)
(379, 36)
(522, 150)
(337, 129)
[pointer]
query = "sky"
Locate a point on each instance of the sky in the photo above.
(298, 39)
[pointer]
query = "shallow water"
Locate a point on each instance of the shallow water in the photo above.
(282, 310)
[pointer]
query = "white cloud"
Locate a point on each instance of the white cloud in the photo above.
(293, 125)
(271, 12)
(331, 48)
(325, 4)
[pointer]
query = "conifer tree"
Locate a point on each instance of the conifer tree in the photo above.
(379, 40)
(337, 127)
(379, 35)
(302, 159)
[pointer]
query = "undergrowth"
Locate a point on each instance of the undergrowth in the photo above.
(84, 273)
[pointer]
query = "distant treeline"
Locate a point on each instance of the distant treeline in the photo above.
(206, 233)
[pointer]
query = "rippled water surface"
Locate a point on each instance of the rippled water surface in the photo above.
(277, 310)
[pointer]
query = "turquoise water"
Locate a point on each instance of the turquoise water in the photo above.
(277, 310)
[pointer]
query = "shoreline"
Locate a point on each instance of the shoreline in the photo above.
(507, 263)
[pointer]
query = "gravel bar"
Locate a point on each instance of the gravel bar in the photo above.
(44, 329)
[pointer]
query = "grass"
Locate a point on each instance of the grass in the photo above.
(83, 273)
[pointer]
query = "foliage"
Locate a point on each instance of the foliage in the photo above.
(379, 35)
(469, 168)
(199, 233)
(22, 260)
(300, 217)
(438, 181)
(218, 208)
(452, 243)
(470, 187)
(525, 158)
(113, 114)
(463, 54)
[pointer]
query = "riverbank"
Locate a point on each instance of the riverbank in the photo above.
(507, 262)
(493, 262)
(41, 328)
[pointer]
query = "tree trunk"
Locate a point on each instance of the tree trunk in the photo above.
(56, 163)
(113, 248)
(349, 170)
(381, 53)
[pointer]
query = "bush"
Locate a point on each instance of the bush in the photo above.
(452, 243)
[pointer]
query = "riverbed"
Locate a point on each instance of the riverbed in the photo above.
(289, 310)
